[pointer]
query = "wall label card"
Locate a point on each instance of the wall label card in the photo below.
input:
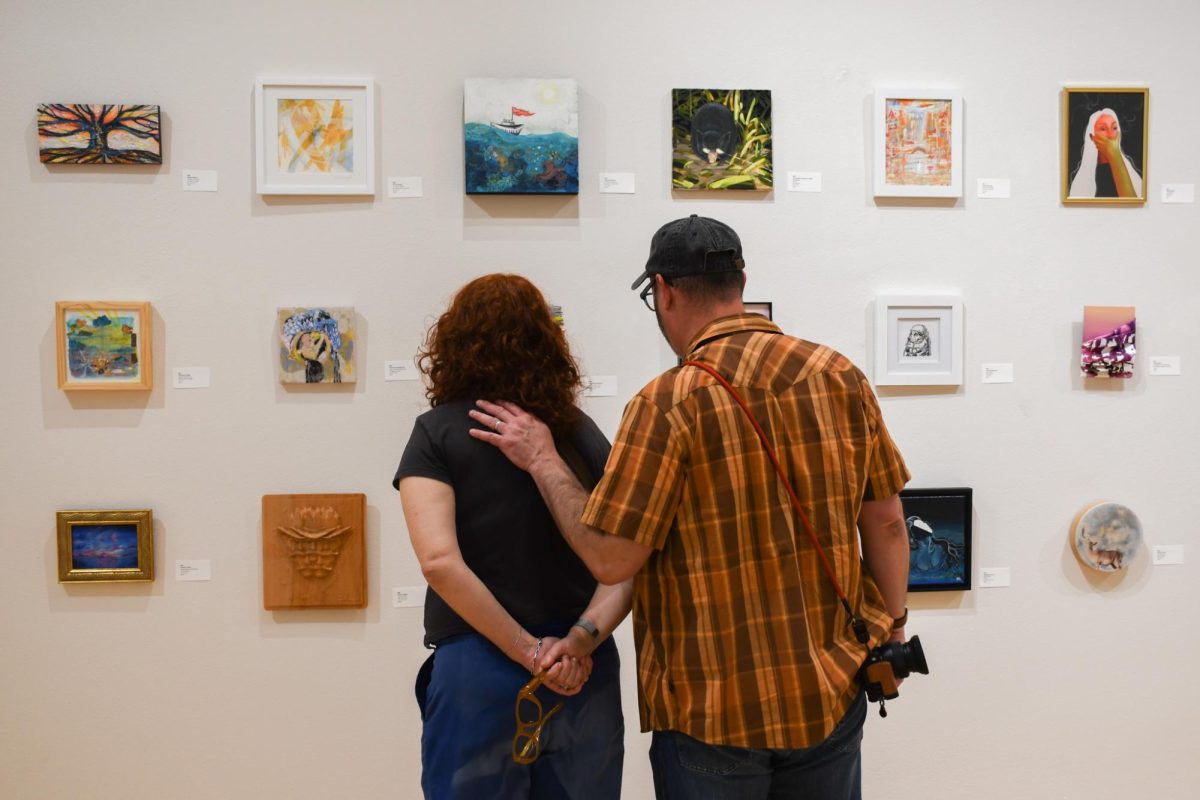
(191, 378)
(804, 182)
(400, 370)
(995, 188)
(1179, 193)
(405, 187)
(995, 577)
(599, 385)
(1166, 365)
(199, 180)
(1166, 554)
(408, 596)
(616, 183)
(997, 373)
(193, 570)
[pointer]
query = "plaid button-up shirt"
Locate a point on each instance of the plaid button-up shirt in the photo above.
(740, 636)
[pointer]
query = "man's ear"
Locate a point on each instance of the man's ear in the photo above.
(664, 293)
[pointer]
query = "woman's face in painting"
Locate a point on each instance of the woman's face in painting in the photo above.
(312, 345)
(1106, 127)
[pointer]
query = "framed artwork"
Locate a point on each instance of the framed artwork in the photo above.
(521, 136)
(763, 309)
(95, 133)
(918, 143)
(103, 344)
(316, 345)
(314, 551)
(918, 341)
(1109, 342)
(939, 539)
(1106, 536)
(105, 546)
(315, 136)
(721, 139)
(1105, 145)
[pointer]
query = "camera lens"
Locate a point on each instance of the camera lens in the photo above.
(905, 657)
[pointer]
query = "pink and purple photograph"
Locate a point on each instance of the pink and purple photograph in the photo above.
(1109, 342)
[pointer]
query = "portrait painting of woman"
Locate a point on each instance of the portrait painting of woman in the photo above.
(1104, 145)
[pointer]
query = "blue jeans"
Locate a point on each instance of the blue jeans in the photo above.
(468, 707)
(688, 769)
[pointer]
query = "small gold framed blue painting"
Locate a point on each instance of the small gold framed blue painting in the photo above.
(105, 546)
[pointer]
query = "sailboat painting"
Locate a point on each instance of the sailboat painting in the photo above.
(521, 135)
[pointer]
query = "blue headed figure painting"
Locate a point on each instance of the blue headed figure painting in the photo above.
(521, 136)
(939, 538)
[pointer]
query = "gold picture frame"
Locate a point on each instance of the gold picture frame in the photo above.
(105, 546)
(104, 345)
(1123, 109)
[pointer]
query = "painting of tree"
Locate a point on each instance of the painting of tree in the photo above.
(98, 134)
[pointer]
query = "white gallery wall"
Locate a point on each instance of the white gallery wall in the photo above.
(1068, 684)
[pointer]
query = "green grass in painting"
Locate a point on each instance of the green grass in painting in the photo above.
(749, 167)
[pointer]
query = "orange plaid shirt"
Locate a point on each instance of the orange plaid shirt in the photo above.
(740, 637)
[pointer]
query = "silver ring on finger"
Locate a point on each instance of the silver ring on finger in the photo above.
(496, 427)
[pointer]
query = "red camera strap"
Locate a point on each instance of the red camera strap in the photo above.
(857, 624)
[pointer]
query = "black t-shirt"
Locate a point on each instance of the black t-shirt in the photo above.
(505, 532)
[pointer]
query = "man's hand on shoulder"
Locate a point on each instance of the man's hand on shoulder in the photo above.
(521, 436)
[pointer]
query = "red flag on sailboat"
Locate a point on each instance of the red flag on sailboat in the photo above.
(520, 112)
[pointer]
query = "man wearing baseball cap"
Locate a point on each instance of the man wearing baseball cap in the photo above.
(746, 659)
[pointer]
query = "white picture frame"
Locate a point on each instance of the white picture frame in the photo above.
(918, 340)
(345, 166)
(926, 176)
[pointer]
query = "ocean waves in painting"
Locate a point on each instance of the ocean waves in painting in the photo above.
(498, 162)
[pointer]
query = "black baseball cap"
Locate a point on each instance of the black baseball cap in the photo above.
(693, 245)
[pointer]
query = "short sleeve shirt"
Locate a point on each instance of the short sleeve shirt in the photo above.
(505, 532)
(741, 639)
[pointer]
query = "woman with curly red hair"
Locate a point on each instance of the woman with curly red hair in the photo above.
(504, 587)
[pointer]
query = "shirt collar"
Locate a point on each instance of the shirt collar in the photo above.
(724, 326)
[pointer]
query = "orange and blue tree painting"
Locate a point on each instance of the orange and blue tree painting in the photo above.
(316, 136)
(521, 136)
(103, 344)
(918, 146)
(98, 134)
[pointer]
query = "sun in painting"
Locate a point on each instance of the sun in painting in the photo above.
(316, 136)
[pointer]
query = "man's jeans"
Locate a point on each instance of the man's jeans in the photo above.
(688, 769)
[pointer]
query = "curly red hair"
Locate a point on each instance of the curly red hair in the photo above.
(497, 341)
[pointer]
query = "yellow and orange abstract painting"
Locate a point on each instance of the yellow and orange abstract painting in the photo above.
(316, 136)
(918, 149)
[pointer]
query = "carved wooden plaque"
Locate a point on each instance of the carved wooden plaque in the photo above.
(314, 551)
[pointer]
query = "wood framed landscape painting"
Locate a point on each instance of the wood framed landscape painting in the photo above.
(1105, 145)
(721, 139)
(939, 538)
(314, 551)
(315, 136)
(105, 546)
(103, 344)
(317, 345)
(521, 135)
(98, 133)
(918, 143)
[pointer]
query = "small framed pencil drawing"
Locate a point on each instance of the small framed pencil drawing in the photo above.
(939, 539)
(315, 136)
(314, 551)
(103, 344)
(918, 341)
(105, 546)
(918, 143)
(763, 309)
(1105, 144)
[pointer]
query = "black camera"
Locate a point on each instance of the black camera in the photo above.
(889, 663)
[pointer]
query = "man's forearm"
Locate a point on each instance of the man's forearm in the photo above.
(885, 550)
(565, 497)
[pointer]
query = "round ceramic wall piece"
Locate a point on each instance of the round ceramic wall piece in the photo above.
(1107, 536)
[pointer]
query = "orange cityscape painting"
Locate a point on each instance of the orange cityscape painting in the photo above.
(918, 149)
